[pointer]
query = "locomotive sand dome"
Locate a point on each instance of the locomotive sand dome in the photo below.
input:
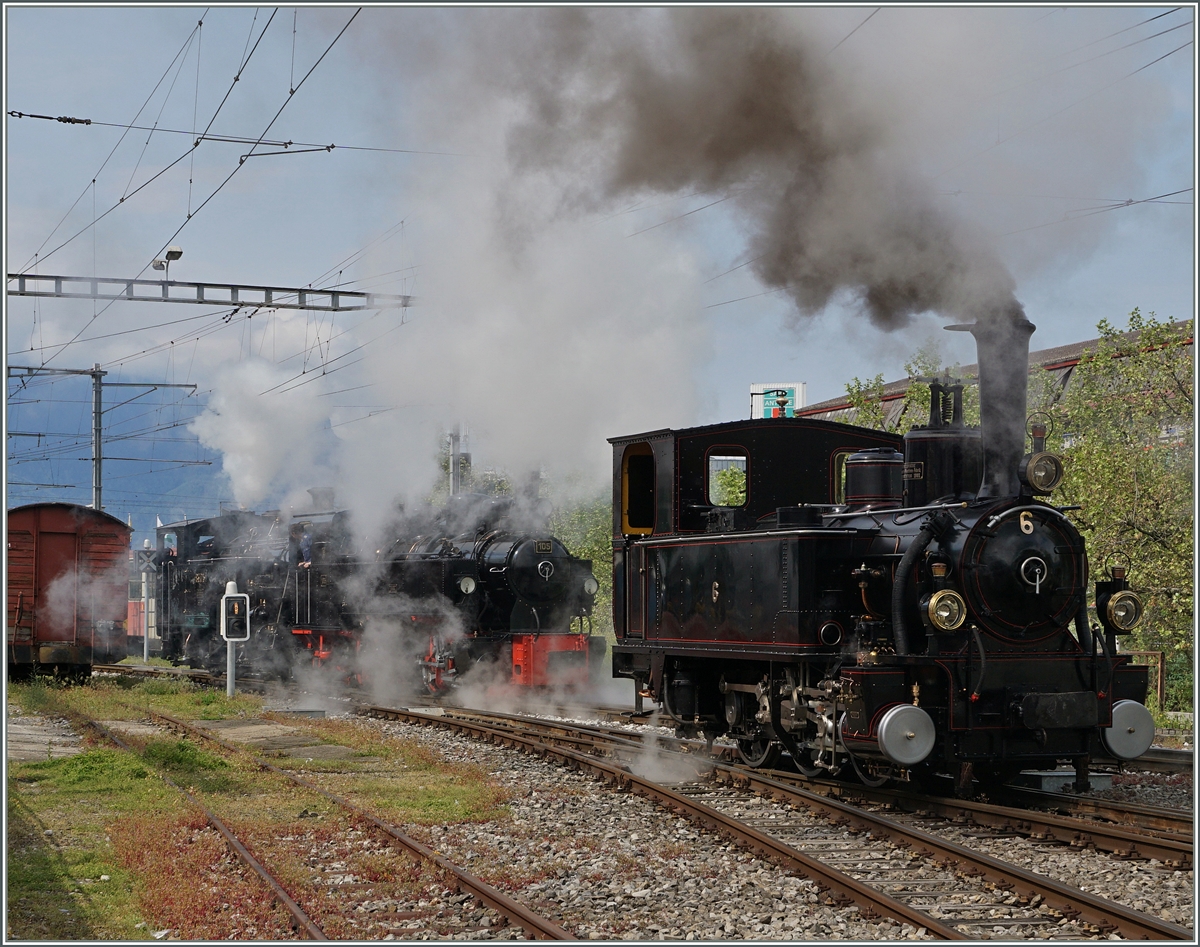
(920, 618)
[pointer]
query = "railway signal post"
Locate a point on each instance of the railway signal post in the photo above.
(235, 627)
(147, 563)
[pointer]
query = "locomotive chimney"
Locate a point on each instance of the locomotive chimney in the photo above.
(1003, 346)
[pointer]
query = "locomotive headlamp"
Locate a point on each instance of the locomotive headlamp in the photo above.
(947, 610)
(1124, 610)
(1042, 472)
(590, 585)
(466, 585)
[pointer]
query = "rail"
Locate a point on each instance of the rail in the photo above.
(301, 920)
(529, 921)
(1071, 901)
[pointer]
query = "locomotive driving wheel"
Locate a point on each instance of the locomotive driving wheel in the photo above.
(759, 753)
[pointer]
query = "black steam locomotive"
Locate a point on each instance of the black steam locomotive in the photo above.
(464, 587)
(892, 608)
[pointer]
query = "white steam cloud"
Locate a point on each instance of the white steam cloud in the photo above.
(874, 178)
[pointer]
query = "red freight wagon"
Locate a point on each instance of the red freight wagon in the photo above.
(68, 582)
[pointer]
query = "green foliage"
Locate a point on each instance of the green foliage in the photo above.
(728, 487)
(867, 396)
(585, 528)
(1125, 428)
(100, 770)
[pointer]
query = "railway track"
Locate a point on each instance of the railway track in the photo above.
(1122, 829)
(1025, 903)
(472, 890)
(514, 912)
(1155, 760)
(301, 922)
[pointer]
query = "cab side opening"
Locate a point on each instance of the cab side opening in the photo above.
(638, 498)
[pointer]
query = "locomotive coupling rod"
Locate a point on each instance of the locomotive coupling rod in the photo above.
(828, 877)
(1129, 922)
(303, 921)
(532, 923)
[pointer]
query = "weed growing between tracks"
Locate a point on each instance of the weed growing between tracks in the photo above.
(402, 780)
(193, 885)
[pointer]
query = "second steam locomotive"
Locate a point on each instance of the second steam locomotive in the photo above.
(898, 608)
(464, 588)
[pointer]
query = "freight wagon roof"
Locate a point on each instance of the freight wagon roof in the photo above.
(79, 511)
(773, 424)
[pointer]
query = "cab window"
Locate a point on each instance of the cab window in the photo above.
(727, 469)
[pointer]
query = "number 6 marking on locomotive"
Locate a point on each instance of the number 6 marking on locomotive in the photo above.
(1027, 523)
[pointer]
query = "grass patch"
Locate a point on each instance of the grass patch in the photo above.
(191, 766)
(429, 798)
(97, 771)
(153, 662)
(64, 881)
(421, 786)
(117, 699)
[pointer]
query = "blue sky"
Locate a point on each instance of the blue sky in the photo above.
(543, 323)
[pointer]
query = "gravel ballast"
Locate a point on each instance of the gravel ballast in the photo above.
(610, 865)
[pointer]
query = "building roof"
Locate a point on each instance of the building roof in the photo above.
(1060, 361)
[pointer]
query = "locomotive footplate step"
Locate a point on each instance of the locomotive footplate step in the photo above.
(1060, 780)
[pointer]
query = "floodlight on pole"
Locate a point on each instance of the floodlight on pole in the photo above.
(173, 253)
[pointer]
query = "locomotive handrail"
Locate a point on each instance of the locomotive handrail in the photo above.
(1041, 507)
(897, 512)
(756, 534)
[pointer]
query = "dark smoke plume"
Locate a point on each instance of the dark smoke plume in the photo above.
(738, 104)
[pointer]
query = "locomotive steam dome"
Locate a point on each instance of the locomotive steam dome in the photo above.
(873, 477)
(1023, 572)
(538, 570)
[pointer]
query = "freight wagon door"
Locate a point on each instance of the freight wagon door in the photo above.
(58, 587)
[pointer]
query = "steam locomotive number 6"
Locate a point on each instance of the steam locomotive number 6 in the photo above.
(802, 585)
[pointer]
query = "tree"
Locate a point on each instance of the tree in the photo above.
(1124, 426)
(867, 397)
(728, 487)
(585, 527)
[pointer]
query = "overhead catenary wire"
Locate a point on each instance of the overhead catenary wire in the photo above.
(141, 187)
(327, 334)
(1136, 42)
(104, 163)
(1092, 212)
(154, 127)
(852, 32)
(1065, 108)
(274, 119)
(242, 139)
